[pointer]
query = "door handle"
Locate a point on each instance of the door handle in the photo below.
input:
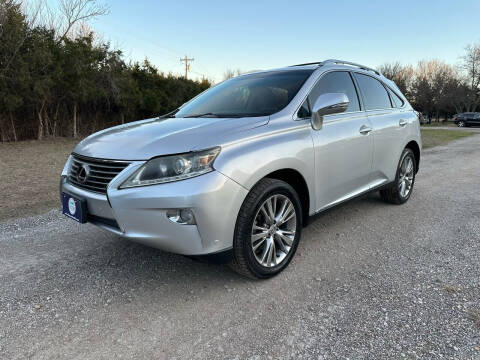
(402, 122)
(364, 130)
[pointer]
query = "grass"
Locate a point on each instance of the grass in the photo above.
(30, 174)
(30, 171)
(435, 137)
(442, 123)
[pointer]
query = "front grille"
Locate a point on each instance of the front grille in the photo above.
(98, 173)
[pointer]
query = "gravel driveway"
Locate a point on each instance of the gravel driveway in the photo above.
(370, 280)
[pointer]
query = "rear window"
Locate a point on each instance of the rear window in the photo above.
(375, 94)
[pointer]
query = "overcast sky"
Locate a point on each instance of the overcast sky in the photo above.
(262, 34)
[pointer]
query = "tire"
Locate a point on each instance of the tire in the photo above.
(461, 124)
(247, 261)
(394, 194)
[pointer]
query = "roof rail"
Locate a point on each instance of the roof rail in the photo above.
(310, 63)
(342, 62)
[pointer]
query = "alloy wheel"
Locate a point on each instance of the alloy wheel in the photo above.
(405, 180)
(273, 230)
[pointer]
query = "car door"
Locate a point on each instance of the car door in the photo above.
(476, 119)
(343, 146)
(389, 122)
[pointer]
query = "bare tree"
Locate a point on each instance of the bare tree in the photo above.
(77, 12)
(65, 17)
(402, 75)
(35, 11)
(471, 67)
(436, 88)
(83, 30)
(229, 73)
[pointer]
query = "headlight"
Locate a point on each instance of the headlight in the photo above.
(172, 168)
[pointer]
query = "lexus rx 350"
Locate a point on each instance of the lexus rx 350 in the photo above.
(238, 170)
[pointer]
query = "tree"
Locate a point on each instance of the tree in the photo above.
(229, 73)
(471, 67)
(436, 87)
(13, 69)
(403, 76)
(59, 82)
(71, 13)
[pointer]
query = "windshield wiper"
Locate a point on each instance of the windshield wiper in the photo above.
(202, 115)
(240, 115)
(171, 114)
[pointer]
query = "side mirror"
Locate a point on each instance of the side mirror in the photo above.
(327, 104)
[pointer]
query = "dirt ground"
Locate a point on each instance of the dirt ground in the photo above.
(29, 176)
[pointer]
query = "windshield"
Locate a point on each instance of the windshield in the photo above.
(258, 94)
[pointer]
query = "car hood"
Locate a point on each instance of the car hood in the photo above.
(142, 140)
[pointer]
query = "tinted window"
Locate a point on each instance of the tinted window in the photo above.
(397, 101)
(376, 96)
(304, 110)
(248, 95)
(336, 82)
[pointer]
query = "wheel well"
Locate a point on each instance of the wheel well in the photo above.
(295, 180)
(412, 145)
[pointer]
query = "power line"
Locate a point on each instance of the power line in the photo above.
(186, 60)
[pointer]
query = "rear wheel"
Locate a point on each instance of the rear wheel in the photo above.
(268, 229)
(461, 123)
(402, 187)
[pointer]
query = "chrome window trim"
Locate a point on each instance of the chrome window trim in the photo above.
(330, 119)
(404, 103)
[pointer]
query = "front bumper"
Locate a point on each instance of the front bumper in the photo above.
(139, 213)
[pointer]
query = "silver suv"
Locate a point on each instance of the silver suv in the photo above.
(236, 172)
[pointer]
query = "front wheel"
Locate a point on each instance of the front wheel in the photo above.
(401, 189)
(268, 230)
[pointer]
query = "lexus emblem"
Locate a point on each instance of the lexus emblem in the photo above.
(83, 173)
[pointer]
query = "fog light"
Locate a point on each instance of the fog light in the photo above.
(181, 216)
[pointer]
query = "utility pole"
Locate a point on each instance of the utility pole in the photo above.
(186, 60)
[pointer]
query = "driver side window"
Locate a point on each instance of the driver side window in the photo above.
(332, 82)
(336, 82)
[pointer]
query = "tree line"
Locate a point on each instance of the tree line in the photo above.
(437, 89)
(58, 79)
(56, 83)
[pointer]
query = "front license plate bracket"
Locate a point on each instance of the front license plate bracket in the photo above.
(74, 208)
